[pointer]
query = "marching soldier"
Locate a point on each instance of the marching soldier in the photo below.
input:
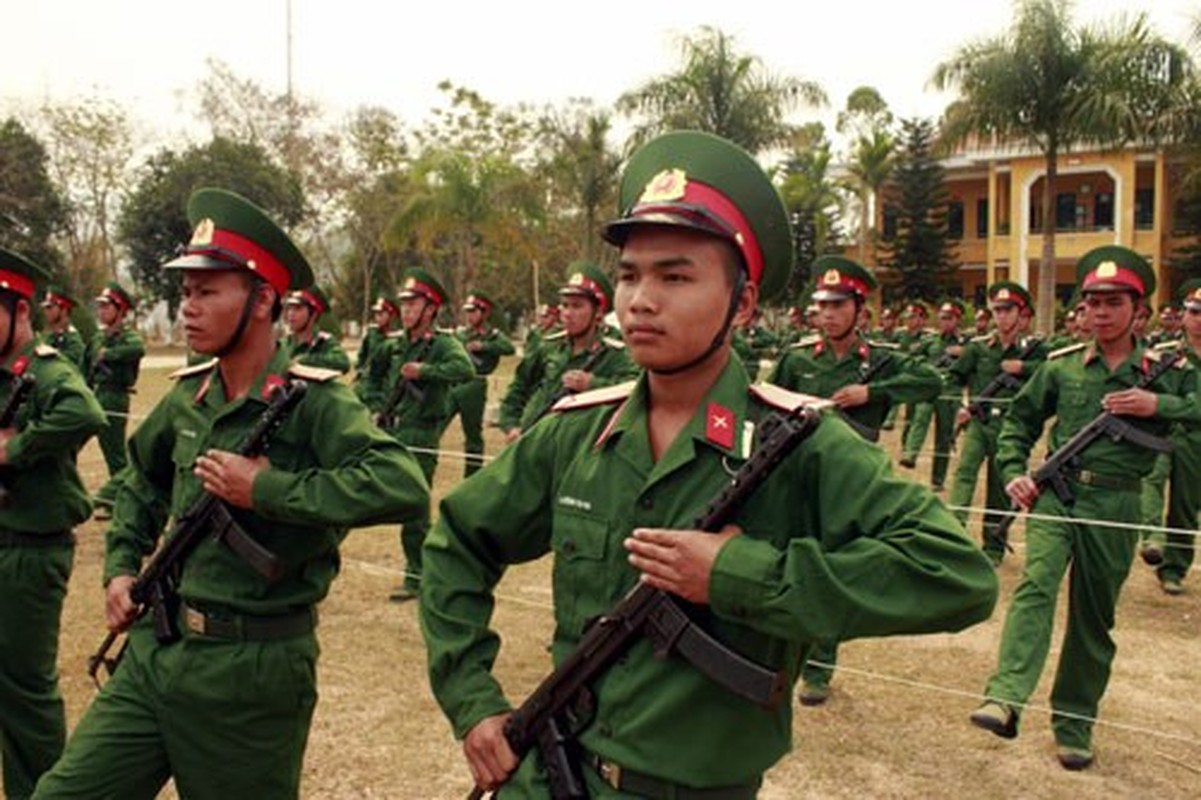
(111, 365)
(484, 345)
(371, 378)
(940, 351)
(308, 346)
(60, 333)
(982, 320)
(41, 500)
(225, 708)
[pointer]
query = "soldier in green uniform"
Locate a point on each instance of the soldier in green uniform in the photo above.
(758, 343)
(833, 365)
(371, 378)
(578, 358)
(425, 364)
(484, 345)
(225, 710)
(41, 500)
(111, 365)
(1075, 386)
(982, 321)
(611, 482)
(912, 340)
(940, 352)
(305, 343)
(60, 333)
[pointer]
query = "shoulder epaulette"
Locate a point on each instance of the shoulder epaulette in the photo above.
(45, 351)
(309, 373)
(808, 341)
(553, 337)
(984, 337)
(372, 326)
(883, 344)
(323, 336)
(395, 334)
(72, 329)
(193, 369)
(605, 395)
(1170, 344)
(447, 331)
(785, 400)
(616, 344)
(1063, 351)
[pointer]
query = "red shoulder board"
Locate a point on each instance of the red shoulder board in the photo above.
(597, 397)
(785, 400)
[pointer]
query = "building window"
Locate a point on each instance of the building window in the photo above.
(1144, 209)
(1065, 211)
(955, 219)
(1103, 211)
(1036, 215)
(890, 223)
(982, 218)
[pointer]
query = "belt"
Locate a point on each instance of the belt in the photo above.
(1087, 477)
(244, 627)
(53, 539)
(652, 788)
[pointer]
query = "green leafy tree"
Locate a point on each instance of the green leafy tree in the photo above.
(32, 211)
(920, 257)
(867, 120)
(722, 91)
(153, 223)
(813, 200)
(1049, 84)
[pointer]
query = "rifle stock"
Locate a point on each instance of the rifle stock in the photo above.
(22, 388)
(1001, 382)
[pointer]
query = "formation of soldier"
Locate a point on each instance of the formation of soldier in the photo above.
(611, 443)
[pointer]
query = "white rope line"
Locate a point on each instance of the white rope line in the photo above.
(1100, 523)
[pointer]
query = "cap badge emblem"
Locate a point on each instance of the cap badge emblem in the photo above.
(1107, 269)
(832, 278)
(204, 232)
(669, 184)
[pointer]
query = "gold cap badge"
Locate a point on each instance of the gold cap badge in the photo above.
(576, 279)
(832, 278)
(410, 283)
(1002, 294)
(669, 184)
(1107, 269)
(203, 234)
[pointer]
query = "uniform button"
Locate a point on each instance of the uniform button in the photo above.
(647, 502)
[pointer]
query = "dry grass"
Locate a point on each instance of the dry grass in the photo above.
(896, 725)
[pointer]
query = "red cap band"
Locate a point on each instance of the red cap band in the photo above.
(258, 259)
(582, 284)
(15, 282)
(1116, 275)
(414, 285)
(58, 300)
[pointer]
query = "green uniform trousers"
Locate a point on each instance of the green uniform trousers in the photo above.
(1184, 506)
(943, 414)
(820, 660)
(226, 718)
(469, 400)
(112, 438)
(980, 447)
(413, 532)
(1151, 498)
(1099, 559)
(33, 727)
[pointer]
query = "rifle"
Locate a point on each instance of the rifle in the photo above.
(157, 586)
(22, 387)
(866, 431)
(1001, 382)
(403, 387)
(543, 720)
(1059, 467)
(590, 364)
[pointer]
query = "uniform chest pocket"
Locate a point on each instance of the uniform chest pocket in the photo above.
(183, 455)
(1077, 396)
(582, 575)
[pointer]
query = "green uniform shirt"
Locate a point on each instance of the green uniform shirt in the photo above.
(885, 559)
(372, 378)
(113, 359)
(981, 362)
(331, 469)
(444, 363)
(811, 367)
(1070, 386)
(494, 344)
(69, 343)
(56, 419)
(322, 351)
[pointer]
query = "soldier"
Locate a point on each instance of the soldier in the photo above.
(574, 360)
(1171, 318)
(226, 709)
(371, 378)
(60, 333)
(982, 320)
(484, 345)
(612, 480)
(306, 344)
(111, 365)
(888, 326)
(1076, 386)
(753, 343)
(984, 358)
(425, 363)
(41, 500)
(941, 351)
(912, 341)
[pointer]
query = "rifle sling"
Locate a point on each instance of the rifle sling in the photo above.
(227, 529)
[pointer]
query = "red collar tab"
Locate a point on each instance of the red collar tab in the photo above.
(20, 364)
(204, 388)
(272, 383)
(259, 260)
(719, 425)
(865, 352)
(15, 282)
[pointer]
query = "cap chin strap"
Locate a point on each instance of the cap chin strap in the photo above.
(720, 338)
(10, 302)
(243, 321)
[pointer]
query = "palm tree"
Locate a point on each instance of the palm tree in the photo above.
(1055, 86)
(867, 119)
(721, 91)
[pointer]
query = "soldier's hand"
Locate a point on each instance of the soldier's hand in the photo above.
(850, 396)
(475, 345)
(955, 350)
(962, 417)
(1013, 366)
(577, 380)
(488, 753)
(119, 609)
(411, 370)
(512, 435)
(1131, 403)
(230, 476)
(678, 561)
(1023, 491)
(5, 435)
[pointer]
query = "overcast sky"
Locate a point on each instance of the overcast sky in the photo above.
(346, 53)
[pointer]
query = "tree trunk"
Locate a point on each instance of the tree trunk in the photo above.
(1045, 304)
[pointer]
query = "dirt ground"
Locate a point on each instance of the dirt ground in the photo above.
(895, 727)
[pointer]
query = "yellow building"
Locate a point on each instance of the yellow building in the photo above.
(1102, 197)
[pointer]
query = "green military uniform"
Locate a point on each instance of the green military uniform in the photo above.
(43, 500)
(484, 346)
(912, 344)
(111, 365)
(753, 345)
(424, 408)
(942, 409)
(1070, 387)
(371, 378)
(322, 350)
(69, 342)
(226, 709)
(976, 369)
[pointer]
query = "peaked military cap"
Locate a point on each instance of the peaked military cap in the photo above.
(230, 232)
(887, 313)
(19, 275)
(916, 308)
(1113, 268)
(1189, 295)
(548, 309)
(1009, 293)
(384, 304)
(115, 293)
(477, 300)
(952, 306)
(586, 279)
(58, 296)
(420, 283)
(839, 278)
(702, 182)
(312, 297)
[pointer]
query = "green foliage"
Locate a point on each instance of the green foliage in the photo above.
(920, 257)
(31, 208)
(814, 204)
(153, 223)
